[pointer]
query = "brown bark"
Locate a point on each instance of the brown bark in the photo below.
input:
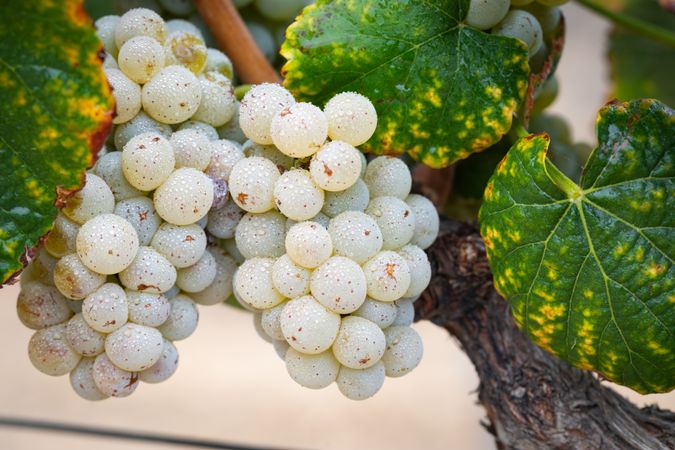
(533, 400)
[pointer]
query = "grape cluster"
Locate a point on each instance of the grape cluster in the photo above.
(128, 260)
(332, 246)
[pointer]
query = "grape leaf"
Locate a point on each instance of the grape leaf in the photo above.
(56, 108)
(442, 89)
(588, 269)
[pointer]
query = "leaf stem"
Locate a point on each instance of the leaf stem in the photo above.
(561, 180)
(641, 27)
(520, 130)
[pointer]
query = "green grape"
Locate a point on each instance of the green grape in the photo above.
(485, 14)
(545, 96)
(548, 17)
(521, 25)
(556, 127)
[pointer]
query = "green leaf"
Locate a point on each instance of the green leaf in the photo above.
(588, 269)
(642, 67)
(55, 105)
(442, 89)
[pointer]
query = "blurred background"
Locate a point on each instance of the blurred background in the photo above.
(231, 386)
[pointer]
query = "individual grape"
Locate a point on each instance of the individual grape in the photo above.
(221, 288)
(147, 309)
(360, 343)
(105, 30)
(290, 279)
(61, 240)
(253, 283)
(258, 107)
(405, 312)
(231, 130)
(308, 244)
(178, 7)
(191, 149)
(426, 221)
(387, 276)
(257, 325)
(387, 175)
(82, 381)
(106, 309)
(297, 196)
(360, 384)
(336, 166)
(404, 351)
(127, 95)
(299, 130)
(395, 219)
(217, 61)
(218, 101)
(548, 17)
(175, 25)
(109, 62)
(198, 276)
(41, 269)
(354, 198)
(308, 326)
(351, 118)
(140, 213)
(109, 168)
(484, 14)
(40, 306)
(224, 155)
(172, 95)
(364, 165)
(185, 49)
(204, 128)
(164, 367)
(82, 338)
(521, 25)
(140, 58)
(139, 22)
(420, 269)
(252, 182)
(107, 244)
(182, 246)
(381, 314)
(50, 352)
(283, 162)
(312, 371)
(147, 161)
(185, 197)
(339, 284)
(149, 272)
(281, 348)
(74, 280)
(134, 347)
(261, 235)
(269, 322)
(223, 222)
(355, 235)
(141, 123)
(111, 380)
(182, 320)
(263, 39)
(221, 195)
(320, 218)
(93, 199)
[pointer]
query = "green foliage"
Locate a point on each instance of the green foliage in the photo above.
(442, 90)
(55, 105)
(588, 269)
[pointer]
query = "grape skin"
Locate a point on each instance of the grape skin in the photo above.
(82, 381)
(484, 14)
(360, 384)
(107, 244)
(308, 326)
(312, 371)
(50, 352)
(74, 280)
(359, 344)
(351, 118)
(41, 306)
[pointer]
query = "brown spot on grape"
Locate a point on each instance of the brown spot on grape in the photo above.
(327, 170)
(390, 270)
(242, 198)
(364, 360)
(189, 238)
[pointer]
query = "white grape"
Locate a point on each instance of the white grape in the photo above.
(283, 162)
(299, 130)
(139, 22)
(149, 272)
(147, 161)
(308, 244)
(182, 320)
(198, 276)
(82, 381)
(387, 276)
(426, 221)
(420, 269)
(140, 58)
(185, 49)
(50, 352)
(41, 269)
(40, 306)
(354, 198)
(172, 95)
(191, 149)
(175, 25)
(484, 14)
(405, 312)
(364, 165)
(308, 326)
(521, 25)
(93, 199)
(355, 235)
(395, 219)
(381, 314)
(218, 101)
(221, 288)
(147, 309)
(164, 367)
(140, 213)
(204, 128)
(106, 309)
(61, 240)
(185, 197)
(261, 235)
(548, 17)
(312, 371)
(111, 380)
(320, 218)
(252, 182)
(231, 130)
(127, 95)
(224, 155)
(253, 283)
(74, 280)
(404, 350)
(257, 325)
(219, 62)
(109, 62)
(360, 343)
(336, 166)
(339, 284)
(386, 175)
(360, 384)
(290, 279)
(258, 107)
(269, 321)
(109, 168)
(134, 347)
(297, 196)
(105, 30)
(107, 244)
(178, 7)
(351, 118)
(82, 338)
(141, 123)
(222, 223)
(281, 348)
(181, 245)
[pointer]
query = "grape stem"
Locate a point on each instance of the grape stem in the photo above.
(641, 27)
(236, 41)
